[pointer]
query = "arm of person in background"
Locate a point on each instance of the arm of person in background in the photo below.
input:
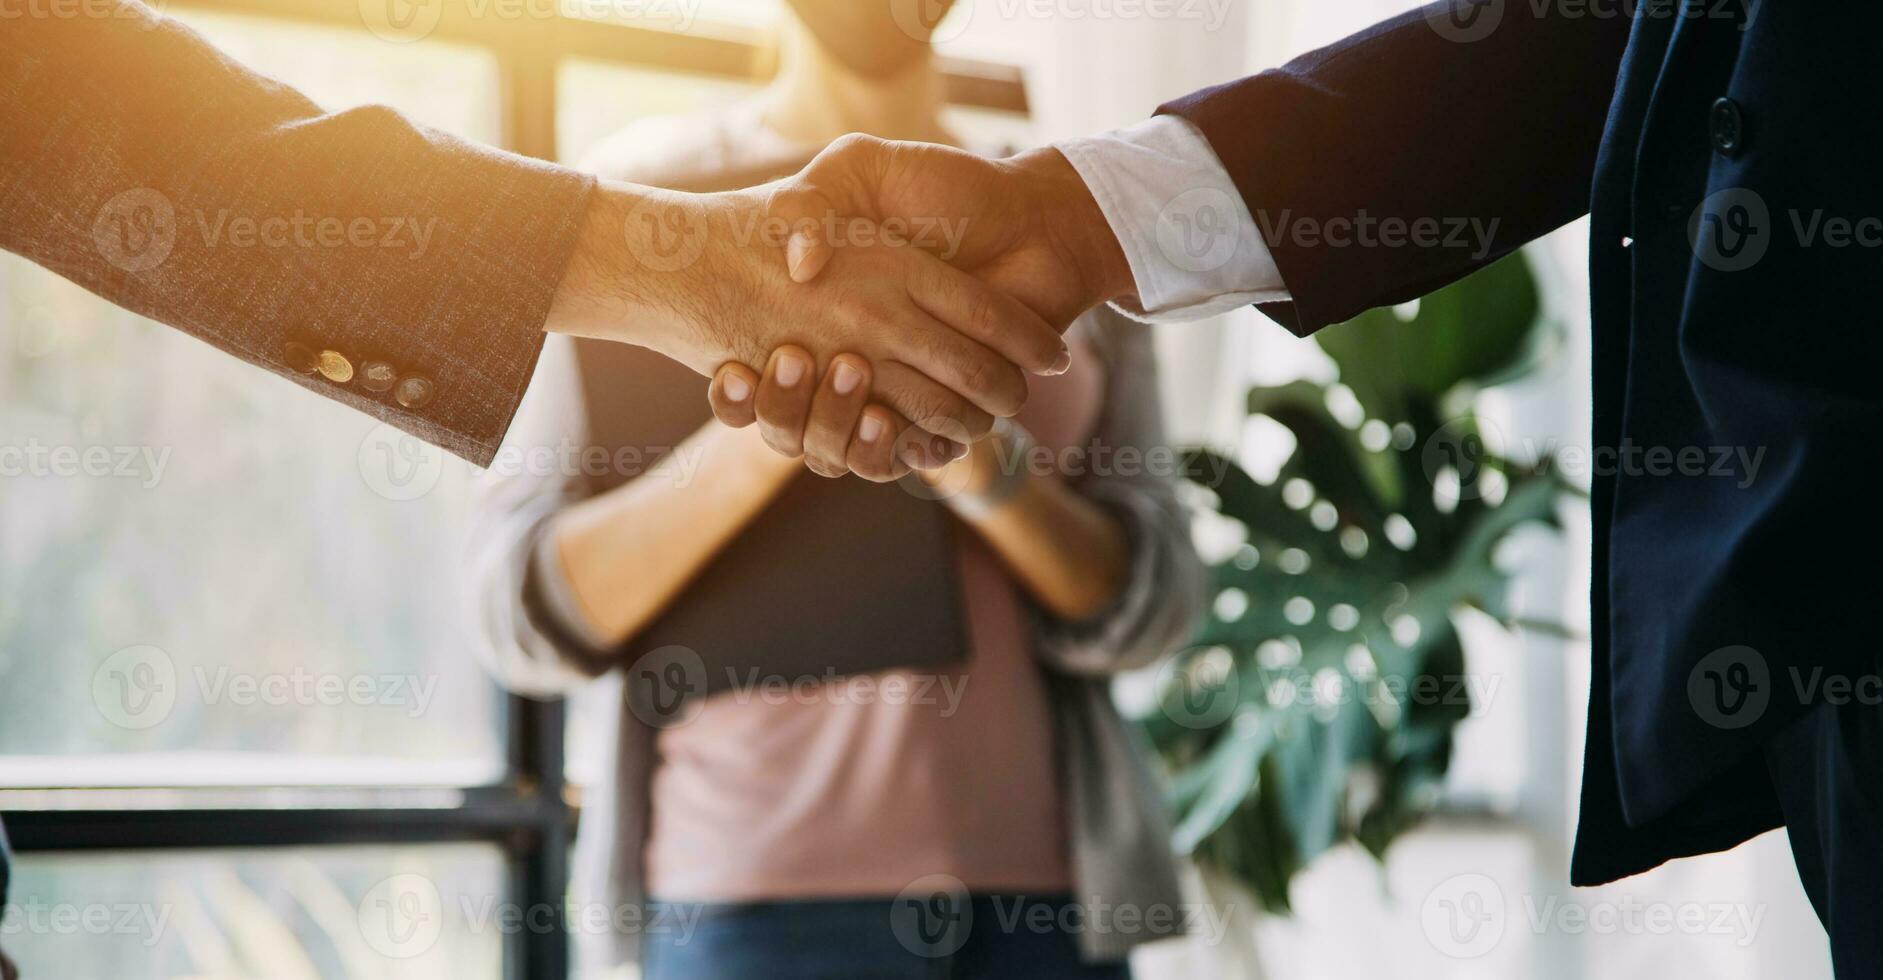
(1069, 553)
(551, 597)
(1105, 552)
(672, 530)
(146, 166)
(1364, 174)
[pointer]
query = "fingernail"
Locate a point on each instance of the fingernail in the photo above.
(796, 251)
(735, 388)
(790, 371)
(948, 449)
(870, 429)
(846, 378)
(1062, 364)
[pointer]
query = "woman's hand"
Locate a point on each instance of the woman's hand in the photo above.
(1069, 553)
(830, 423)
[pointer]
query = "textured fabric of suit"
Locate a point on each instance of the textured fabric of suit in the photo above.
(1725, 598)
(142, 164)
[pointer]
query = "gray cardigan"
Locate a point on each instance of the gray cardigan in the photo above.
(1124, 871)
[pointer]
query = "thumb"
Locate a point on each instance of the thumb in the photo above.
(804, 209)
(839, 182)
(806, 255)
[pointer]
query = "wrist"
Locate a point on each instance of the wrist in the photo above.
(1072, 218)
(757, 459)
(995, 473)
(632, 276)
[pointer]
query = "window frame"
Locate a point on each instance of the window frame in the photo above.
(531, 814)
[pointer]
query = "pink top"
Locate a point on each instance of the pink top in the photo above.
(858, 787)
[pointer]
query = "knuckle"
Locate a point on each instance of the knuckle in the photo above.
(978, 425)
(782, 442)
(1000, 384)
(850, 145)
(985, 316)
(930, 411)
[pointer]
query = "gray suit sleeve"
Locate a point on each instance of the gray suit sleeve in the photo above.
(389, 267)
(1163, 589)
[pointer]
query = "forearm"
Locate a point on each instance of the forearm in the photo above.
(381, 264)
(628, 553)
(633, 277)
(1070, 554)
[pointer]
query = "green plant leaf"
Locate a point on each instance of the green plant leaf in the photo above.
(1294, 770)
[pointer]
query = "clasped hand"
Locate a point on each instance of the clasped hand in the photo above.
(1029, 249)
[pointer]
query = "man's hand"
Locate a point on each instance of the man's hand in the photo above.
(1027, 226)
(7, 970)
(703, 279)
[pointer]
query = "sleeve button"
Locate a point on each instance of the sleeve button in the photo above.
(378, 376)
(301, 358)
(414, 392)
(335, 367)
(1728, 127)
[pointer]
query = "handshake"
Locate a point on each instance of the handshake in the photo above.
(849, 345)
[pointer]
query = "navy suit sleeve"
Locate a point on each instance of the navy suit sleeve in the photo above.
(1417, 127)
(142, 164)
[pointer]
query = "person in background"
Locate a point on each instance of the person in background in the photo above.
(1009, 591)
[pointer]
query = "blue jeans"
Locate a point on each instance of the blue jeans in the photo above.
(999, 937)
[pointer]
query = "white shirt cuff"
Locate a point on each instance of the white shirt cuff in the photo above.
(1193, 247)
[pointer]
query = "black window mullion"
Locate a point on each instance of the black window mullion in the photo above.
(539, 850)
